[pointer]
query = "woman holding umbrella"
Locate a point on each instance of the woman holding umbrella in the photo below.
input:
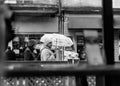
(46, 52)
(57, 41)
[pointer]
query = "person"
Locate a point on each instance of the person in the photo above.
(21, 54)
(46, 52)
(38, 47)
(37, 54)
(17, 52)
(28, 53)
(5, 32)
(9, 54)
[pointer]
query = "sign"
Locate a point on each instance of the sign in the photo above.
(81, 3)
(87, 3)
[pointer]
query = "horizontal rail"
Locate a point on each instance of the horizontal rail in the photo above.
(60, 69)
(36, 62)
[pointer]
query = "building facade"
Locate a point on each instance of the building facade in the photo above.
(33, 19)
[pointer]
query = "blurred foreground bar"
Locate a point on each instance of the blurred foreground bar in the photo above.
(108, 31)
(46, 69)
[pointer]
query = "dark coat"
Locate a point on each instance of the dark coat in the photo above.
(10, 55)
(28, 54)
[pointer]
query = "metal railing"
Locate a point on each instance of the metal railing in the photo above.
(39, 79)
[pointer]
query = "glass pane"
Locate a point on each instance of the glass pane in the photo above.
(82, 3)
(116, 6)
(116, 3)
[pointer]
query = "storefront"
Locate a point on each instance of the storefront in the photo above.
(74, 26)
(34, 26)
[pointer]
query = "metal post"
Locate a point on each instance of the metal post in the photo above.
(109, 40)
(108, 31)
(62, 25)
(59, 17)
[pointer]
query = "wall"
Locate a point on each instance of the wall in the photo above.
(117, 21)
(85, 21)
(35, 24)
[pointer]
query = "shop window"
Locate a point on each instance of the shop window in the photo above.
(80, 47)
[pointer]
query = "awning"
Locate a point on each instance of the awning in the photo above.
(117, 21)
(85, 21)
(35, 24)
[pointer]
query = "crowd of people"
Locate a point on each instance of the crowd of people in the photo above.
(41, 51)
(44, 53)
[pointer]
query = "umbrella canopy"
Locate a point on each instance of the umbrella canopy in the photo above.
(46, 38)
(57, 39)
(16, 39)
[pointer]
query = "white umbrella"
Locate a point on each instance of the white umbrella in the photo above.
(57, 39)
(46, 38)
(16, 39)
(10, 44)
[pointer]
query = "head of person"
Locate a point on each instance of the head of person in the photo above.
(31, 44)
(9, 48)
(49, 44)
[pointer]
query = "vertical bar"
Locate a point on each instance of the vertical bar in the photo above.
(59, 24)
(100, 81)
(108, 31)
(5, 13)
(110, 80)
(63, 22)
(59, 7)
(62, 30)
(78, 80)
(59, 17)
(2, 30)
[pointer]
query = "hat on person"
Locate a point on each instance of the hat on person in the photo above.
(32, 42)
(47, 42)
